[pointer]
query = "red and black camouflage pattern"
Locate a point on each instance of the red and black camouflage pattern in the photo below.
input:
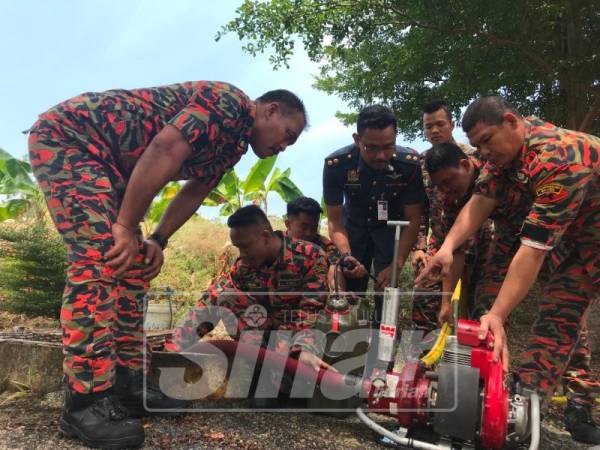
(330, 249)
(292, 290)
(442, 216)
(558, 170)
(82, 152)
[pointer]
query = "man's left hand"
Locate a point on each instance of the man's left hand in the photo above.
(153, 259)
(384, 279)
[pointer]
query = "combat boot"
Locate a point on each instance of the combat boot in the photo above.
(579, 422)
(129, 389)
(99, 421)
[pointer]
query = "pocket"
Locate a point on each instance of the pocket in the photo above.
(82, 207)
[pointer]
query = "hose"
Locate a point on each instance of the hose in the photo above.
(401, 440)
(535, 421)
(325, 378)
(437, 350)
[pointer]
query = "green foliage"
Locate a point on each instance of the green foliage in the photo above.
(542, 55)
(231, 192)
(18, 193)
(32, 262)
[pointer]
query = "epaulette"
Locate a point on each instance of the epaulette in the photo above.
(342, 156)
(406, 155)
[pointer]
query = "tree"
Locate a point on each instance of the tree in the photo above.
(542, 55)
(231, 192)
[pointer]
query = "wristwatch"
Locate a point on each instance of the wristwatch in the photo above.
(160, 240)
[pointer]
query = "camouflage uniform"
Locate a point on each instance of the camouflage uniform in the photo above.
(348, 180)
(441, 217)
(291, 291)
(82, 152)
(332, 252)
(557, 172)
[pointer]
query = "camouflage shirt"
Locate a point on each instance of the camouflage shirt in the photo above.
(556, 177)
(431, 232)
(477, 244)
(331, 251)
(118, 125)
(291, 291)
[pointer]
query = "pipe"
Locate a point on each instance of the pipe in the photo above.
(398, 224)
(404, 441)
(326, 378)
(535, 421)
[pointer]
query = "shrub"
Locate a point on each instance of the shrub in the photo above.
(32, 263)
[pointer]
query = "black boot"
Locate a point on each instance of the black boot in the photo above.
(579, 422)
(129, 388)
(99, 421)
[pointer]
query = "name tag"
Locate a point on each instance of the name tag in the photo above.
(289, 282)
(382, 210)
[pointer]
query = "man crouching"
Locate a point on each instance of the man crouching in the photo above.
(277, 283)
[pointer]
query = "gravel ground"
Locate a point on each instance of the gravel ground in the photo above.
(31, 423)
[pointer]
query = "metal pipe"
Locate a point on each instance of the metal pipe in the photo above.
(535, 421)
(398, 224)
(404, 441)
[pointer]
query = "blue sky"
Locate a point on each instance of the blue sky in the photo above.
(55, 50)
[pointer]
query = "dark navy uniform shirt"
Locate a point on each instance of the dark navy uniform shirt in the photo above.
(348, 180)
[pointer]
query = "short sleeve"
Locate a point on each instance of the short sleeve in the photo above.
(559, 193)
(333, 187)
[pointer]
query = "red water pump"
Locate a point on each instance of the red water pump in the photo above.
(464, 400)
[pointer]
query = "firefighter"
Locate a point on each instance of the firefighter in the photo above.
(438, 127)
(555, 173)
(286, 277)
(100, 158)
(302, 222)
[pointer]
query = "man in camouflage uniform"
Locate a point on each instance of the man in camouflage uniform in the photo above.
(284, 276)
(302, 222)
(556, 173)
(437, 129)
(453, 174)
(100, 158)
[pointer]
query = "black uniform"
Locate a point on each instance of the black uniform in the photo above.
(364, 192)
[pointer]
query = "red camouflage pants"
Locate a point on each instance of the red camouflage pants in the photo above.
(101, 317)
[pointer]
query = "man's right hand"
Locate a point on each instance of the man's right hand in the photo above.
(436, 268)
(419, 257)
(122, 254)
(353, 268)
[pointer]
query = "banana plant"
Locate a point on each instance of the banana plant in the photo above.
(18, 192)
(159, 205)
(232, 192)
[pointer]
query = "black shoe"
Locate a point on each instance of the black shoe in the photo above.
(579, 422)
(129, 389)
(99, 421)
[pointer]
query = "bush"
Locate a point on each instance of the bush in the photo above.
(33, 260)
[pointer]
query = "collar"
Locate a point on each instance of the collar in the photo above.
(246, 131)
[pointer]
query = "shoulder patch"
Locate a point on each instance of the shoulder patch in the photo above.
(550, 193)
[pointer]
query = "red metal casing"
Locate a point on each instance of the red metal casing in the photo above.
(405, 396)
(494, 417)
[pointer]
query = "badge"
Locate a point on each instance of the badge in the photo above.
(352, 176)
(551, 193)
(382, 210)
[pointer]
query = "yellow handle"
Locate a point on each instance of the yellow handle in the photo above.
(436, 351)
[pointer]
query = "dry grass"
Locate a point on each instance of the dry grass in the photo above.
(197, 253)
